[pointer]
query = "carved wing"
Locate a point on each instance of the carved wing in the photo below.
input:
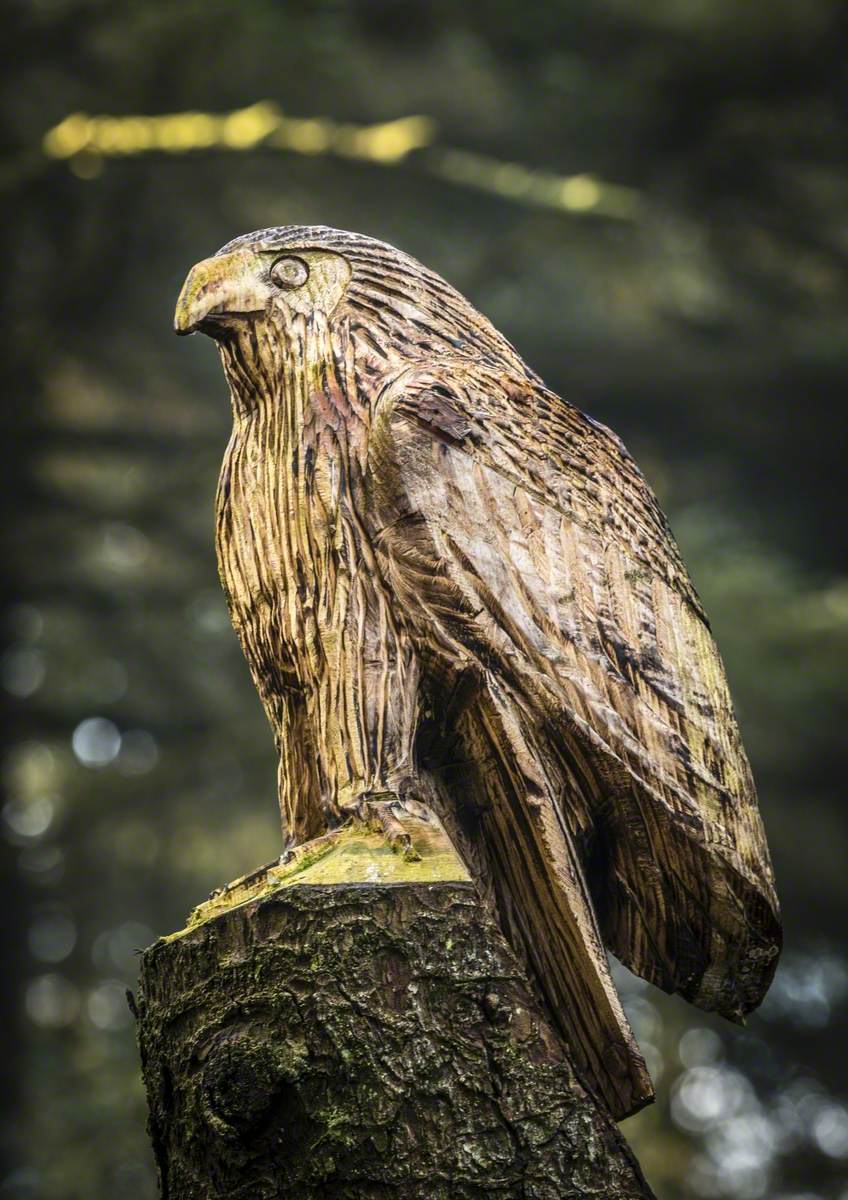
(538, 549)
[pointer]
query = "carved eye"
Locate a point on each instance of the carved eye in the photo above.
(289, 272)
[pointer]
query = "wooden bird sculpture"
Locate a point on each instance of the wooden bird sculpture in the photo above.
(457, 595)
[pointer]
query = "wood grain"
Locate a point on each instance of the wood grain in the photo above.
(362, 1041)
(452, 585)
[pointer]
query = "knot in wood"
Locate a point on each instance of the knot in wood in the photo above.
(248, 1073)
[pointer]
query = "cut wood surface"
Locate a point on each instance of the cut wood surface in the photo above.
(353, 1025)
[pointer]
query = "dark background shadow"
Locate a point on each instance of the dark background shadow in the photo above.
(691, 292)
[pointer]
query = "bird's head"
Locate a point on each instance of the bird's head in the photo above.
(395, 309)
(244, 281)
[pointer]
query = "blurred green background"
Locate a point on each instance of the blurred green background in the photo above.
(650, 198)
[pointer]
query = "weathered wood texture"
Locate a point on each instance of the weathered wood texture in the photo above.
(361, 1041)
(429, 557)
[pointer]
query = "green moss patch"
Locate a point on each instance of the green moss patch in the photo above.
(353, 854)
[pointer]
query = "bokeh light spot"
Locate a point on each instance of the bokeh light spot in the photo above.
(139, 753)
(52, 936)
(29, 818)
(52, 1001)
(96, 742)
(830, 1130)
(30, 768)
(22, 670)
(106, 1006)
(116, 949)
(122, 548)
(699, 1047)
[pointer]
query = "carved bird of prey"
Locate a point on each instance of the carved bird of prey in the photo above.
(454, 588)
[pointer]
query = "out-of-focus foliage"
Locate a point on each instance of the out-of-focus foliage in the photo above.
(708, 327)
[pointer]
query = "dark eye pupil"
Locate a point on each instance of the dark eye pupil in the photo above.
(289, 272)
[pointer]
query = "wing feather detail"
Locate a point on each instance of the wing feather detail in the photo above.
(564, 576)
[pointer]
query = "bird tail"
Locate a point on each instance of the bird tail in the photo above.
(684, 913)
(547, 911)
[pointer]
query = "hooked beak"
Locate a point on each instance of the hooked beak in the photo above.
(219, 289)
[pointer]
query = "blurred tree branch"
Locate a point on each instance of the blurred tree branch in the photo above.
(83, 142)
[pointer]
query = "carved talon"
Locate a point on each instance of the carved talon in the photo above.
(377, 814)
(295, 852)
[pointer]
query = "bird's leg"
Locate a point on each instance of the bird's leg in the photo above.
(379, 811)
(297, 852)
(384, 812)
(367, 712)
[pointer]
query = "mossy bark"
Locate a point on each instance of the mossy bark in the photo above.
(361, 1041)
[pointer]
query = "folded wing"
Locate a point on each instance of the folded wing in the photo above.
(568, 586)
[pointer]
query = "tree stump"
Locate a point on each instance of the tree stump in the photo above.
(353, 1026)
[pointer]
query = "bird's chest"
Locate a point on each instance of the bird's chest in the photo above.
(280, 530)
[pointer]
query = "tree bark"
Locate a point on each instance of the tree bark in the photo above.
(355, 1027)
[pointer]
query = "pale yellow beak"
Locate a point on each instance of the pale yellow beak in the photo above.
(229, 285)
